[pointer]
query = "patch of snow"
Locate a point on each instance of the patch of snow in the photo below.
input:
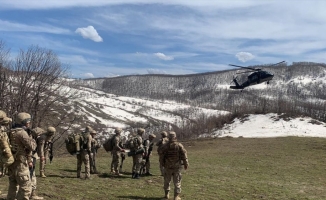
(270, 125)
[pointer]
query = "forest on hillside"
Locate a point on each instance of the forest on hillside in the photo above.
(287, 93)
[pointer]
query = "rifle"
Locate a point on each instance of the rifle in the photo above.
(123, 157)
(50, 151)
(31, 169)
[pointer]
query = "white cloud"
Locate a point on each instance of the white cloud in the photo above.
(163, 56)
(244, 56)
(88, 75)
(89, 33)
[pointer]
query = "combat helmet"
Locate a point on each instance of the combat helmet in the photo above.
(172, 135)
(117, 130)
(3, 118)
(140, 131)
(2, 115)
(93, 132)
(164, 134)
(88, 129)
(23, 118)
(152, 136)
(51, 130)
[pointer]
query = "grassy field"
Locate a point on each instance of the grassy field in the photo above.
(224, 168)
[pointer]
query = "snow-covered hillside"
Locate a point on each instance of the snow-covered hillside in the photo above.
(272, 125)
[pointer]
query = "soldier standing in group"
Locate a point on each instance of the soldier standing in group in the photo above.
(43, 148)
(174, 155)
(159, 145)
(18, 172)
(6, 158)
(116, 152)
(85, 151)
(34, 134)
(137, 156)
(95, 147)
(148, 145)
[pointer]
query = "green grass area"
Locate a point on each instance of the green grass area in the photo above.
(224, 168)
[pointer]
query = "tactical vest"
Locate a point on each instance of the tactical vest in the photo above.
(150, 145)
(172, 155)
(134, 143)
(12, 139)
(85, 137)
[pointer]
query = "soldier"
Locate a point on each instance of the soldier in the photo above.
(174, 155)
(43, 148)
(95, 147)
(137, 152)
(85, 151)
(6, 157)
(148, 144)
(159, 144)
(116, 152)
(34, 134)
(18, 172)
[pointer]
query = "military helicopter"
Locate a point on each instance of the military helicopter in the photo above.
(258, 76)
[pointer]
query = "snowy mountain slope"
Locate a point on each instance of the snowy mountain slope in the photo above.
(272, 125)
(110, 111)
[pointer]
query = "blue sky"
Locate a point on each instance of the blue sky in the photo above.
(102, 38)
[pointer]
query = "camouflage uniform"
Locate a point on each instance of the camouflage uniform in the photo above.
(159, 145)
(174, 155)
(95, 146)
(148, 145)
(116, 152)
(85, 151)
(19, 174)
(43, 148)
(137, 158)
(6, 157)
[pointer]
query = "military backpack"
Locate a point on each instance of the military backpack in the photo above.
(74, 142)
(6, 154)
(133, 143)
(108, 144)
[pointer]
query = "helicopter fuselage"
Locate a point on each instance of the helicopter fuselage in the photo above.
(257, 76)
(253, 79)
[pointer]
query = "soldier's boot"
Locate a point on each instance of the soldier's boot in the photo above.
(34, 196)
(177, 196)
(133, 175)
(95, 170)
(78, 174)
(136, 176)
(42, 174)
(148, 174)
(117, 173)
(166, 196)
(112, 171)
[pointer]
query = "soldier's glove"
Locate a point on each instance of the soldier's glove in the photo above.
(30, 165)
(185, 167)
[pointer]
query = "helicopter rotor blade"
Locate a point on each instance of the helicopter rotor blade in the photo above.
(243, 67)
(277, 63)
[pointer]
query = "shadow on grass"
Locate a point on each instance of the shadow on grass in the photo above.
(135, 197)
(107, 175)
(69, 170)
(60, 176)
